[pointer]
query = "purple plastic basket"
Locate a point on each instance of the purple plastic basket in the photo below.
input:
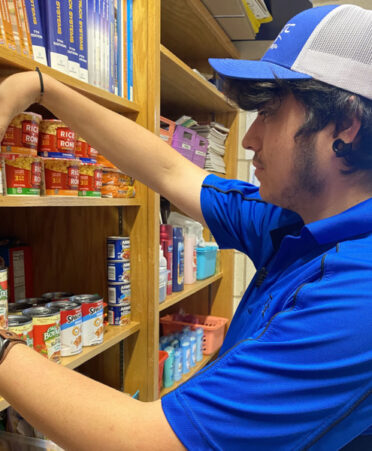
(200, 151)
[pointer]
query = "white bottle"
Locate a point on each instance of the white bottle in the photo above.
(190, 255)
(163, 275)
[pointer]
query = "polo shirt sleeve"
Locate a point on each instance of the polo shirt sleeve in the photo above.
(239, 219)
(303, 381)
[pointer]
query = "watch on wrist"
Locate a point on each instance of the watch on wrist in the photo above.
(7, 341)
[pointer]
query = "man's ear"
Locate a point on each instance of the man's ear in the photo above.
(349, 134)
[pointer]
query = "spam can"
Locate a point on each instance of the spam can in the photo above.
(119, 314)
(92, 312)
(118, 293)
(118, 271)
(71, 326)
(4, 298)
(22, 326)
(46, 331)
(118, 248)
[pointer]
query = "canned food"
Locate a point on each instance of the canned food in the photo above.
(92, 311)
(90, 180)
(118, 293)
(57, 296)
(22, 135)
(56, 138)
(71, 326)
(61, 177)
(22, 326)
(119, 314)
(118, 248)
(4, 298)
(22, 174)
(46, 331)
(31, 302)
(118, 271)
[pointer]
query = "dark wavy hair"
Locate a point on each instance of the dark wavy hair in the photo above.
(324, 104)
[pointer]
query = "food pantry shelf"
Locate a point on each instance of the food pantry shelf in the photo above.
(194, 370)
(60, 201)
(11, 61)
(112, 336)
(188, 291)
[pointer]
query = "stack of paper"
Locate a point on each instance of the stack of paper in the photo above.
(216, 135)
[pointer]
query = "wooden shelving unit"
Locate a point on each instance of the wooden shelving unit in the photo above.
(11, 62)
(183, 89)
(69, 244)
(55, 201)
(174, 298)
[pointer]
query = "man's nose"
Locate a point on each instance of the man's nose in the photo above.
(252, 138)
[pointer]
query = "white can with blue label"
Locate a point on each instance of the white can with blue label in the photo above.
(118, 293)
(118, 271)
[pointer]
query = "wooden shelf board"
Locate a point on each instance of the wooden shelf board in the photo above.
(183, 89)
(11, 61)
(188, 291)
(188, 23)
(113, 335)
(206, 359)
(59, 201)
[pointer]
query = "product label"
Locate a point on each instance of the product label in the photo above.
(186, 146)
(25, 332)
(92, 323)
(65, 140)
(4, 299)
(180, 271)
(47, 336)
(71, 331)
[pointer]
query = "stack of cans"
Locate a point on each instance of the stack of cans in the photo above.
(118, 273)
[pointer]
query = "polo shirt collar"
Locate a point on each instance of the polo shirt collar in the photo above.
(355, 221)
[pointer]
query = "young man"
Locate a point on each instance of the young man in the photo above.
(295, 370)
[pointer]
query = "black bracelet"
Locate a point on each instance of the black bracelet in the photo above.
(41, 83)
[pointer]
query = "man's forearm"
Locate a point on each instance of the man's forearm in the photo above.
(77, 412)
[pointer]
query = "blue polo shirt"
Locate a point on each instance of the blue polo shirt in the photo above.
(295, 369)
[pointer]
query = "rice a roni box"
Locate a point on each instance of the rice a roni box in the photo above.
(22, 175)
(90, 180)
(61, 176)
(22, 135)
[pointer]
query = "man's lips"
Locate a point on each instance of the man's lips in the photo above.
(257, 164)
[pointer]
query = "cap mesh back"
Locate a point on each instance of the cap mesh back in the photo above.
(339, 51)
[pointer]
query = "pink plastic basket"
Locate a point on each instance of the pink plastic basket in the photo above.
(213, 326)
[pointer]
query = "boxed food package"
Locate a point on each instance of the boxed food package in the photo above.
(17, 258)
(22, 135)
(61, 176)
(56, 140)
(21, 175)
(90, 180)
(115, 184)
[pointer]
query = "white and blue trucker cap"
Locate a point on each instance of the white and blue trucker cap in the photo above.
(330, 43)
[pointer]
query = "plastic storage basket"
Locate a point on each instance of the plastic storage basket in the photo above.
(213, 327)
(167, 128)
(205, 261)
(163, 355)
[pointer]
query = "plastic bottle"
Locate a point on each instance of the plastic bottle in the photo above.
(168, 368)
(190, 253)
(163, 343)
(163, 275)
(177, 365)
(178, 260)
(185, 349)
(199, 343)
(166, 242)
(193, 349)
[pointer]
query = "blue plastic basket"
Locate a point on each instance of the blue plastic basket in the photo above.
(205, 261)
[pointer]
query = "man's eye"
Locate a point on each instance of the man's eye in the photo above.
(263, 113)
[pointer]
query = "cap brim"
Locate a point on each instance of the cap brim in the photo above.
(253, 70)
